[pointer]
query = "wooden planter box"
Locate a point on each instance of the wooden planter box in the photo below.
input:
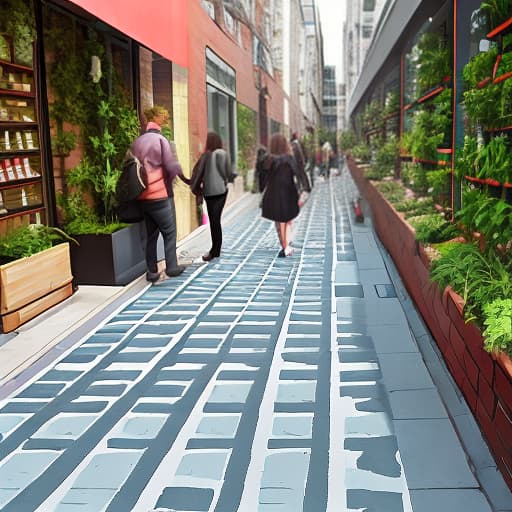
(484, 379)
(29, 286)
(111, 260)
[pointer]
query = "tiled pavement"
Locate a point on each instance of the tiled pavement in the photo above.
(251, 384)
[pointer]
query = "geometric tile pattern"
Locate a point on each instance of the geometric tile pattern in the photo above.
(250, 384)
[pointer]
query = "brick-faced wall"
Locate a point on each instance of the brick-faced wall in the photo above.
(484, 379)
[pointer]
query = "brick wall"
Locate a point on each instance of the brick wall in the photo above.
(484, 379)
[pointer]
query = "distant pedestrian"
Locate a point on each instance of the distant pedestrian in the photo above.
(327, 154)
(157, 200)
(210, 179)
(280, 199)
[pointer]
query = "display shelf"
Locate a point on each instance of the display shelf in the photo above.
(5, 185)
(19, 152)
(16, 67)
(22, 192)
(498, 130)
(431, 94)
(18, 94)
(431, 162)
(5, 125)
(22, 211)
(502, 78)
(488, 181)
(500, 30)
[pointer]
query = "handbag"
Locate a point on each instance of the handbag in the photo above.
(303, 197)
(130, 211)
(196, 181)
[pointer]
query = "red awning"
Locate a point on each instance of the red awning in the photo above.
(161, 25)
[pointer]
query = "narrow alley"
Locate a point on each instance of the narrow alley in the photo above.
(254, 383)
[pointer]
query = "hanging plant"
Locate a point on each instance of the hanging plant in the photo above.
(497, 11)
(17, 21)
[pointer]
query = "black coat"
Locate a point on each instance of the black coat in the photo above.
(280, 199)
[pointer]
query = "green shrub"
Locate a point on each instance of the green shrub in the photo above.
(29, 240)
(433, 228)
(497, 319)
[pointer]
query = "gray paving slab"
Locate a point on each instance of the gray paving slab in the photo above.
(417, 404)
(389, 339)
(432, 455)
(404, 371)
(452, 500)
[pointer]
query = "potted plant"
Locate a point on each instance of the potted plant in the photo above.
(89, 207)
(35, 273)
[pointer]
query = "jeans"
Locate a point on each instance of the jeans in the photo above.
(160, 217)
(215, 205)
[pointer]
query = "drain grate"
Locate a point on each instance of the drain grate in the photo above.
(385, 291)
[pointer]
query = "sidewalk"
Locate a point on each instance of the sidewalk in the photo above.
(65, 324)
(251, 384)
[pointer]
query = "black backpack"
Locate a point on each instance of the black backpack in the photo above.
(132, 181)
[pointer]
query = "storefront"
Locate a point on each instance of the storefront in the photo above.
(75, 77)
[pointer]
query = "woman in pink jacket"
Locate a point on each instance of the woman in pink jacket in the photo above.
(157, 200)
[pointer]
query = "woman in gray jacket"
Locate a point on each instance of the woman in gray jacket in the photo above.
(215, 176)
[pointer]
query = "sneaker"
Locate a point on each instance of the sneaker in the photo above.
(175, 272)
(288, 251)
(152, 277)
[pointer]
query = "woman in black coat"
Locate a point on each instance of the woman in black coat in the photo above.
(280, 199)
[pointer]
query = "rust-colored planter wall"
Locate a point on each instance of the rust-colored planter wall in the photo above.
(485, 381)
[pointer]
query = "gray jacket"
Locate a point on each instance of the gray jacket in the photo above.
(217, 174)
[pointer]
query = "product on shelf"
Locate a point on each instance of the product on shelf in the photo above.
(19, 140)
(27, 169)
(8, 169)
(2, 207)
(7, 142)
(29, 142)
(18, 169)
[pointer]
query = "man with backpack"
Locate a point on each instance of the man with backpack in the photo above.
(161, 166)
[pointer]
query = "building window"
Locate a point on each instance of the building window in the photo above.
(367, 32)
(221, 100)
(369, 5)
(261, 56)
(209, 8)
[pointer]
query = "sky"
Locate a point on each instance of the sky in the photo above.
(332, 14)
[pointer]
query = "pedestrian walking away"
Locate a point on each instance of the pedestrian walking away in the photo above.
(210, 179)
(281, 196)
(159, 158)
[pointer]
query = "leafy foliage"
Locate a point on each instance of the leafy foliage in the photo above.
(348, 139)
(29, 240)
(97, 174)
(17, 20)
(498, 11)
(479, 279)
(386, 157)
(434, 60)
(246, 124)
(498, 326)
(433, 228)
(393, 191)
(491, 217)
